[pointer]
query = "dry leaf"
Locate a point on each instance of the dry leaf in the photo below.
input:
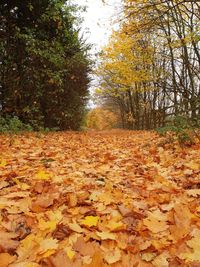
(90, 221)
(6, 259)
(7, 242)
(112, 256)
(106, 235)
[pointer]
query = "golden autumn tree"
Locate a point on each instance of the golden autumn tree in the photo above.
(150, 68)
(101, 119)
(125, 72)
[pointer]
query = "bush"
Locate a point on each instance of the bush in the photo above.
(181, 129)
(13, 125)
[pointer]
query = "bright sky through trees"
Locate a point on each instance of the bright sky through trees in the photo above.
(97, 20)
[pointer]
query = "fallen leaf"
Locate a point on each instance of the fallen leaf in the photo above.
(6, 259)
(42, 175)
(156, 222)
(75, 227)
(112, 256)
(161, 260)
(3, 163)
(194, 244)
(106, 235)
(85, 248)
(115, 226)
(90, 221)
(48, 244)
(7, 242)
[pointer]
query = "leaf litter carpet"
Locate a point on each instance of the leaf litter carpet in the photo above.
(120, 199)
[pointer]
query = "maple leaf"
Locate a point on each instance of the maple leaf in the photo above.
(47, 225)
(48, 244)
(22, 186)
(106, 235)
(194, 244)
(75, 227)
(112, 256)
(6, 241)
(6, 259)
(161, 260)
(70, 253)
(90, 221)
(85, 248)
(182, 217)
(156, 222)
(115, 226)
(193, 165)
(60, 259)
(42, 175)
(97, 260)
(148, 256)
(3, 163)
(28, 247)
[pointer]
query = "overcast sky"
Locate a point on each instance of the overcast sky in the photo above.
(97, 20)
(97, 27)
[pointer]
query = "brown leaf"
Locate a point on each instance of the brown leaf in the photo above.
(58, 260)
(62, 231)
(7, 243)
(85, 248)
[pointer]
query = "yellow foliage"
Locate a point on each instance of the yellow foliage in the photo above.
(90, 221)
(125, 61)
(101, 119)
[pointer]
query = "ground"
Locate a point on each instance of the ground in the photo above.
(118, 198)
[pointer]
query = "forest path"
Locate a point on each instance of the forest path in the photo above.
(116, 198)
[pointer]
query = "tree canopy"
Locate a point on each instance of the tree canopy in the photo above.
(150, 68)
(44, 63)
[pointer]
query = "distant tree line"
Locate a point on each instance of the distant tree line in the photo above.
(44, 63)
(150, 70)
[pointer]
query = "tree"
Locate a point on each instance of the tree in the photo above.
(154, 73)
(101, 119)
(44, 63)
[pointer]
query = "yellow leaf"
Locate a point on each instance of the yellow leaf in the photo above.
(47, 225)
(48, 244)
(22, 186)
(194, 244)
(161, 260)
(193, 165)
(55, 215)
(90, 221)
(75, 227)
(48, 253)
(112, 256)
(70, 253)
(148, 256)
(155, 226)
(106, 235)
(3, 163)
(156, 221)
(115, 226)
(106, 199)
(42, 175)
(28, 246)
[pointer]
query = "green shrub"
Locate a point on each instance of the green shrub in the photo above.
(181, 129)
(13, 125)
